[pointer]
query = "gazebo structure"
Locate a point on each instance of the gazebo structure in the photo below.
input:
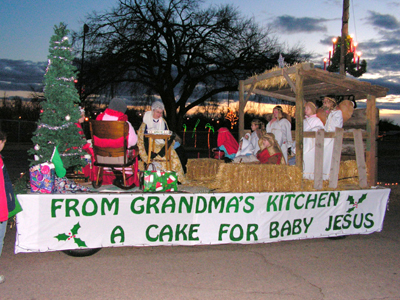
(304, 82)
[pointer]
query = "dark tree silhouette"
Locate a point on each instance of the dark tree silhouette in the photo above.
(177, 51)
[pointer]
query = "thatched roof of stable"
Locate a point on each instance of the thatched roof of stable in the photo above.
(281, 84)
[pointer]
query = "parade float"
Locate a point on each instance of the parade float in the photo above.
(226, 203)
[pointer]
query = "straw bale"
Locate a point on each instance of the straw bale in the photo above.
(202, 169)
(348, 169)
(246, 178)
(347, 179)
(252, 177)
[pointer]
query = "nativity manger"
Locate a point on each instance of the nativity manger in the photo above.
(354, 161)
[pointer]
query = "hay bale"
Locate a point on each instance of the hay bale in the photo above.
(348, 169)
(347, 178)
(202, 169)
(254, 178)
(250, 178)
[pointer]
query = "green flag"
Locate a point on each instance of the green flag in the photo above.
(58, 164)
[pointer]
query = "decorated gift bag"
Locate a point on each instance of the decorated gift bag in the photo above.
(42, 178)
(159, 181)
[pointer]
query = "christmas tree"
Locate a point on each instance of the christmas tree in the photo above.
(352, 67)
(56, 125)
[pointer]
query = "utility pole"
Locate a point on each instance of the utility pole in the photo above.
(345, 33)
(85, 30)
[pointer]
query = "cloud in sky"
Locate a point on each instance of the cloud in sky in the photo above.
(291, 24)
(21, 74)
(384, 21)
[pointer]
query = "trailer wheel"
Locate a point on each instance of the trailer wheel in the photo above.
(81, 252)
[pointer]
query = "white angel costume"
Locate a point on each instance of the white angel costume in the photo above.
(311, 123)
(282, 130)
(249, 149)
(335, 119)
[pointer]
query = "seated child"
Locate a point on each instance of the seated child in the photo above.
(270, 152)
(227, 143)
(245, 153)
(248, 145)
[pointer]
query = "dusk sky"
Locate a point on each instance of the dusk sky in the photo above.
(26, 28)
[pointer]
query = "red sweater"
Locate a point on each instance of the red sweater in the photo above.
(265, 158)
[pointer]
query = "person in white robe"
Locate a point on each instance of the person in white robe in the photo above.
(250, 140)
(333, 121)
(282, 129)
(311, 123)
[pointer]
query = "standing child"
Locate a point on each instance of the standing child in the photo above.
(7, 201)
(334, 120)
(311, 123)
(281, 128)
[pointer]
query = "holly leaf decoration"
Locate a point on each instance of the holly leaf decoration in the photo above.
(62, 237)
(79, 242)
(350, 210)
(351, 200)
(362, 198)
(71, 235)
(75, 229)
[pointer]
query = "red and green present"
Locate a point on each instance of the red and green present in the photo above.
(159, 181)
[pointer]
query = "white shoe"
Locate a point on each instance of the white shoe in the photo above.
(2, 278)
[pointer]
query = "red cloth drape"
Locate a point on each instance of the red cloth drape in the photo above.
(226, 139)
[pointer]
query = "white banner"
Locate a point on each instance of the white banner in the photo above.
(71, 221)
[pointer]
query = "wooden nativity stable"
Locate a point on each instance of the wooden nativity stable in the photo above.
(302, 83)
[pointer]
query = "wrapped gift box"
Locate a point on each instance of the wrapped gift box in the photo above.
(159, 181)
(42, 178)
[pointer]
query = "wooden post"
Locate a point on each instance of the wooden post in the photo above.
(299, 117)
(242, 105)
(319, 159)
(336, 155)
(372, 162)
(345, 33)
(361, 167)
